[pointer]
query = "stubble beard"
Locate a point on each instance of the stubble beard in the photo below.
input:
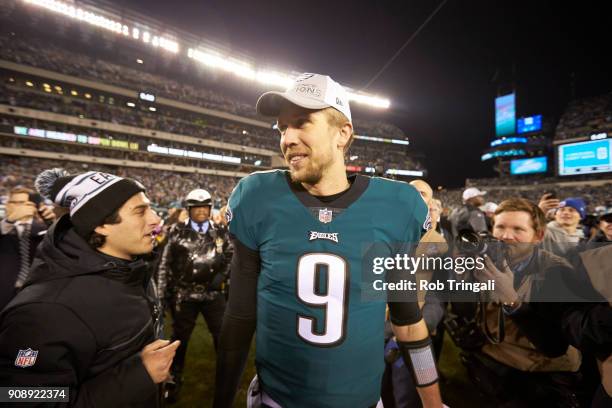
(309, 174)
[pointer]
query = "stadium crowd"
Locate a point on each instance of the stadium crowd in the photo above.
(371, 154)
(165, 188)
(167, 120)
(55, 58)
(586, 116)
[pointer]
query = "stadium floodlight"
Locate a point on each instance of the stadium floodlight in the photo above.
(139, 61)
(152, 108)
(131, 104)
(245, 70)
(274, 79)
(29, 83)
(369, 100)
(109, 24)
(227, 63)
(74, 93)
(400, 172)
(214, 60)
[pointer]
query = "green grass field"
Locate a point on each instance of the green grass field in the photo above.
(198, 389)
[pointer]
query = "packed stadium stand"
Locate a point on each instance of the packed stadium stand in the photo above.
(586, 116)
(86, 97)
(72, 90)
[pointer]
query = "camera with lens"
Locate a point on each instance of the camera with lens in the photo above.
(473, 244)
(465, 323)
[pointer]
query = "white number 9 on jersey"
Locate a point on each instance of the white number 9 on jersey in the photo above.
(334, 300)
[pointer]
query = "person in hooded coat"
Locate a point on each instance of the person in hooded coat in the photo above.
(85, 318)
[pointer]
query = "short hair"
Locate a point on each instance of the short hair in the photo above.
(97, 240)
(337, 119)
(538, 219)
(20, 190)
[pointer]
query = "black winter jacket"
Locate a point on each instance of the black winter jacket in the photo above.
(194, 266)
(87, 315)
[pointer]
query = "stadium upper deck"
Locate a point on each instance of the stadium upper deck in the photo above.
(99, 78)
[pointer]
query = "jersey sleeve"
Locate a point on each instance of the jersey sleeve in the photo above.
(238, 217)
(406, 311)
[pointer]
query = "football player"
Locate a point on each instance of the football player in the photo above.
(297, 275)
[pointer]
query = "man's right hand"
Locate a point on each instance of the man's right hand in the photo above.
(547, 203)
(19, 212)
(157, 358)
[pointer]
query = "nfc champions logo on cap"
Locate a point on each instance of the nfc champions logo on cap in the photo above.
(26, 358)
(330, 236)
(310, 91)
(304, 76)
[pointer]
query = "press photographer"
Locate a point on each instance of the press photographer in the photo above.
(524, 359)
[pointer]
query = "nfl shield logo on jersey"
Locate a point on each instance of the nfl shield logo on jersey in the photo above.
(26, 358)
(325, 215)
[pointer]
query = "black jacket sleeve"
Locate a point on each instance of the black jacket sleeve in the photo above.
(66, 347)
(238, 323)
(588, 326)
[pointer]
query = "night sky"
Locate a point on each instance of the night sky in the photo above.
(443, 84)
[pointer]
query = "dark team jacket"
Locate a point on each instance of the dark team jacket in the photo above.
(85, 317)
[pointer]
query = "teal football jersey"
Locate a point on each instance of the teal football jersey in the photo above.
(318, 343)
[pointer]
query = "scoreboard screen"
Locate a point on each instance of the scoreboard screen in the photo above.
(529, 166)
(529, 124)
(585, 157)
(505, 115)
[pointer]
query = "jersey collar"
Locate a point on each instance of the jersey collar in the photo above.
(359, 184)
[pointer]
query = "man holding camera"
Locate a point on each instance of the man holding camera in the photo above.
(20, 233)
(526, 361)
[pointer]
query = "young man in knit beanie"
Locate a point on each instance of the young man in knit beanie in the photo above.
(84, 319)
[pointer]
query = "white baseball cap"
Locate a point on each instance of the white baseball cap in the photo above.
(310, 91)
(472, 192)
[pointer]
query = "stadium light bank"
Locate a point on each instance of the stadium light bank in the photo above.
(209, 58)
